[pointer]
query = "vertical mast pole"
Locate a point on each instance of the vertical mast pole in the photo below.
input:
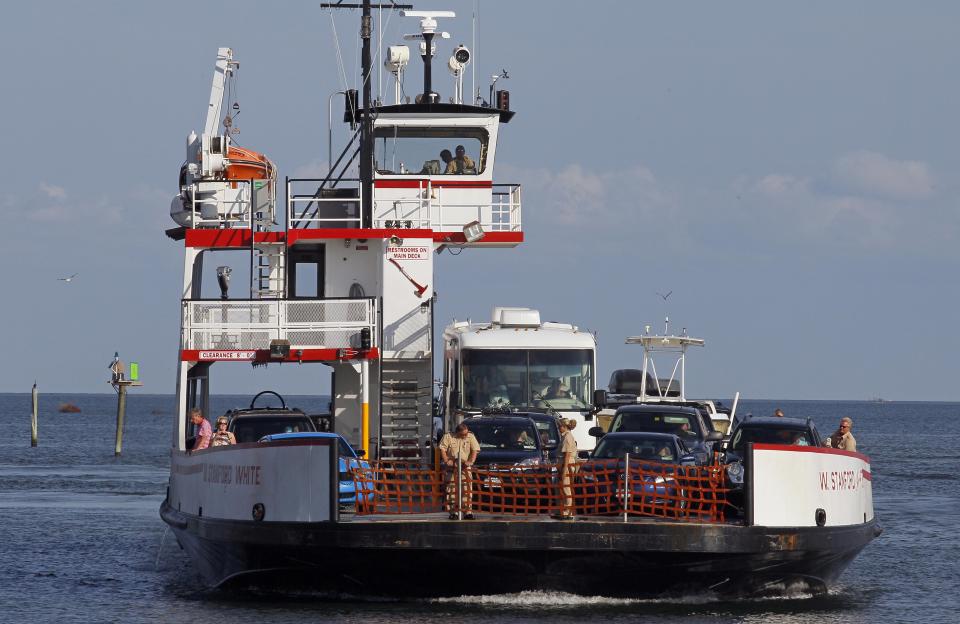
(366, 129)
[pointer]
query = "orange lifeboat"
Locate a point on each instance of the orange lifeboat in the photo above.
(246, 164)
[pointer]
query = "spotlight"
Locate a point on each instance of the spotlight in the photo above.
(396, 241)
(473, 232)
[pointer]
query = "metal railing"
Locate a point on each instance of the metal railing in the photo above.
(232, 203)
(253, 324)
(323, 207)
(426, 207)
(430, 209)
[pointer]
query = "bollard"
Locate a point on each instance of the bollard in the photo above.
(33, 417)
(121, 412)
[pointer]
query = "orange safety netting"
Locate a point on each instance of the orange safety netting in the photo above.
(591, 488)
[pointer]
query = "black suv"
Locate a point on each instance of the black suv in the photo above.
(763, 430)
(507, 440)
(685, 422)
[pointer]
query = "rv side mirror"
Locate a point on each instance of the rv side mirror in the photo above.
(596, 432)
(714, 436)
(600, 398)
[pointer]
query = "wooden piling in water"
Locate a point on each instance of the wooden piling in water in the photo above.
(121, 413)
(33, 416)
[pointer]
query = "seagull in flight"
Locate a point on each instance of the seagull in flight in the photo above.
(67, 279)
(664, 297)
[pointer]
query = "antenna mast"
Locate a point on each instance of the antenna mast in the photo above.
(366, 127)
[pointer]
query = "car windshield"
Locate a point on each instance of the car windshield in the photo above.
(640, 448)
(680, 424)
(505, 436)
(559, 379)
(770, 435)
(549, 432)
(252, 428)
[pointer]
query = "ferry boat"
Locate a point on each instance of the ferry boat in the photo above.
(340, 275)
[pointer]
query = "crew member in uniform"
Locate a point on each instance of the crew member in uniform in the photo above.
(462, 446)
(462, 163)
(568, 466)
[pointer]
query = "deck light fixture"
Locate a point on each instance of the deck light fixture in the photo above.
(396, 241)
(473, 231)
(279, 349)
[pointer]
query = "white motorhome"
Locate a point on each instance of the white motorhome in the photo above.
(516, 362)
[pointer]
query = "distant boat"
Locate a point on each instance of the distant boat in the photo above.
(877, 400)
(68, 408)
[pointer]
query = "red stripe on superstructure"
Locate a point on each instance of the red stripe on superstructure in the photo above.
(263, 355)
(421, 183)
(492, 238)
(321, 233)
(809, 449)
(228, 238)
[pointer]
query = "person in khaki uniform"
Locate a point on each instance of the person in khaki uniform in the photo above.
(462, 446)
(568, 466)
(842, 438)
(462, 163)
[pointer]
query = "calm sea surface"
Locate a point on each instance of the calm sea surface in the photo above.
(81, 539)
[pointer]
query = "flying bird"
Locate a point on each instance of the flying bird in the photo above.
(664, 297)
(67, 279)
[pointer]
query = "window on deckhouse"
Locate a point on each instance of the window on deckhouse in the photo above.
(402, 150)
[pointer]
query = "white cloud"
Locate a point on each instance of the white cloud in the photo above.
(53, 191)
(878, 175)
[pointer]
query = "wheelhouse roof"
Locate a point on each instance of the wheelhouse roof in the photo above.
(437, 108)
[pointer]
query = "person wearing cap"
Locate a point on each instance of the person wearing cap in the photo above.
(205, 433)
(461, 447)
(462, 163)
(222, 437)
(568, 466)
(842, 438)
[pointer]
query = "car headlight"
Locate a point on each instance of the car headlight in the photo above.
(735, 472)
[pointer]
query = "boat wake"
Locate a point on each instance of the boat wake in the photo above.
(550, 599)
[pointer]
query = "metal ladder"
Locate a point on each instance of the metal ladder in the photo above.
(265, 255)
(406, 402)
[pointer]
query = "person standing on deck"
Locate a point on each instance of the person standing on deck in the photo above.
(842, 438)
(462, 446)
(568, 466)
(206, 431)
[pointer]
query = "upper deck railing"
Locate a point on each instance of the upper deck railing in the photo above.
(422, 205)
(253, 324)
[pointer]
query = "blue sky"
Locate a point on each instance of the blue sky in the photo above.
(788, 170)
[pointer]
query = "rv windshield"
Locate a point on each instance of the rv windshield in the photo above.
(561, 379)
(430, 151)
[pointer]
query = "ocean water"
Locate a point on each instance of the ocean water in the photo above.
(81, 539)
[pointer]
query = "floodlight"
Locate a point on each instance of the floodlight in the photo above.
(473, 232)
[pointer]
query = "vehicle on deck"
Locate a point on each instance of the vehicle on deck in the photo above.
(654, 455)
(253, 423)
(687, 423)
(763, 430)
(507, 440)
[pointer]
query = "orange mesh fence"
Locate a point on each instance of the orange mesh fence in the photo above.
(398, 487)
(592, 488)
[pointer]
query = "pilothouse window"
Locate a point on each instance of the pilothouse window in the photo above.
(430, 151)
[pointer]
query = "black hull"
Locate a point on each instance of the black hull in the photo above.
(435, 557)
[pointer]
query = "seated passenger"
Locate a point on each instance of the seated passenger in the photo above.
(556, 390)
(431, 167)
(665, 454)
(461, 164)
(222, 437)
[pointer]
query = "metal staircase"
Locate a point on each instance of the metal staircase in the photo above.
(406, 402)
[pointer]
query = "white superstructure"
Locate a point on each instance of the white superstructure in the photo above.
(518, 362)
